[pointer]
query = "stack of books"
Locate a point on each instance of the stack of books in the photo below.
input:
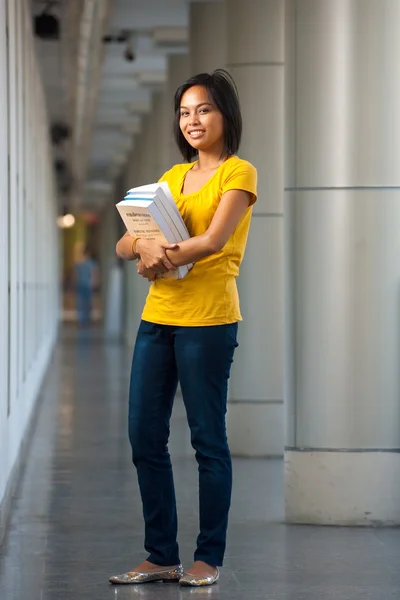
(150, 212)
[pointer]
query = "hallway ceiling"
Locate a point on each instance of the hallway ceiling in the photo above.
(51, 54)
(153, 28)
(99, 78)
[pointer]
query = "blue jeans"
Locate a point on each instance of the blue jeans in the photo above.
(200, 358)
(84, 295)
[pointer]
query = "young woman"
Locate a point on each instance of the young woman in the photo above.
(189, 328)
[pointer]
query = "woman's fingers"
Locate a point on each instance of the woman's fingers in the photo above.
(168, 264)
(153, 255)
(159, 268)
(161, 264)
(148, 274)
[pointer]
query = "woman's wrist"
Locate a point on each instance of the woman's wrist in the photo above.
(134, 247)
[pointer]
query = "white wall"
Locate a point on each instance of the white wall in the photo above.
(28, 235)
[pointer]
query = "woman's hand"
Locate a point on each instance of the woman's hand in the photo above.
(148, 274)
(153, 255)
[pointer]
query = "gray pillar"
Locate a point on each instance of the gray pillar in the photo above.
(207, 24)
(161, 112)
(255, 56)
(111, 300)
(343, 262)
(139, 171)
(150, 154)
(178, 73)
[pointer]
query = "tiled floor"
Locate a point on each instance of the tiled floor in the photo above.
(77, 514)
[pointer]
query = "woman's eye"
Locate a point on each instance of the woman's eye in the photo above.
(204, 110)
(184, 114)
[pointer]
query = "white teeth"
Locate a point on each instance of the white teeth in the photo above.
(195, 133)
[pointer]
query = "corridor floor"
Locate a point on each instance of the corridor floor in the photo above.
(77, 515)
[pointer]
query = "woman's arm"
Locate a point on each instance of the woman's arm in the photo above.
(124, 251)
(124, 248)
(152, 254)
(232, 207)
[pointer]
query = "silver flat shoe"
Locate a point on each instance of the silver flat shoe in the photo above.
(137, 577)
(195, 581)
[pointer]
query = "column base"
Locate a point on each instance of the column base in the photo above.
(353, 488)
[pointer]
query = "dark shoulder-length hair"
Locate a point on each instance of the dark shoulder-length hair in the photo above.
(223, 92)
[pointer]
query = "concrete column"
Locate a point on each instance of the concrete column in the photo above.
(111, 229)
(139, 171)
(178, 73)
(150, 154)
(342, 462)
(164, 105)
(207, 24)
(255, 58)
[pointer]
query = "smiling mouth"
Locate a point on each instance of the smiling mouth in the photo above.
(196, 133)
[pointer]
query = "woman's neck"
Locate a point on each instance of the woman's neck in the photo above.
(210, 160)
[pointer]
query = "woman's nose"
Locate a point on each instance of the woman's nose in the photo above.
(194, 119)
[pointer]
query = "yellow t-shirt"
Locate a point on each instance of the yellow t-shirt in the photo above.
(208, 294)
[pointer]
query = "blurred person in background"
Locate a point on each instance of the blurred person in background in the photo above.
(86, 281)
(189, 328)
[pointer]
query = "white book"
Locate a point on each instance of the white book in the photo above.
(142, 218)
(164, 194)
(172, 222)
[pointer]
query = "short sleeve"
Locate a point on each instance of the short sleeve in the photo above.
(243, 176)
(163, 177)
(173, 178)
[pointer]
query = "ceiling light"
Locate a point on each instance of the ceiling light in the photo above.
(66, 221)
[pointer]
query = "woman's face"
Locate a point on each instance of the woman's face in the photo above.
(201, 122)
